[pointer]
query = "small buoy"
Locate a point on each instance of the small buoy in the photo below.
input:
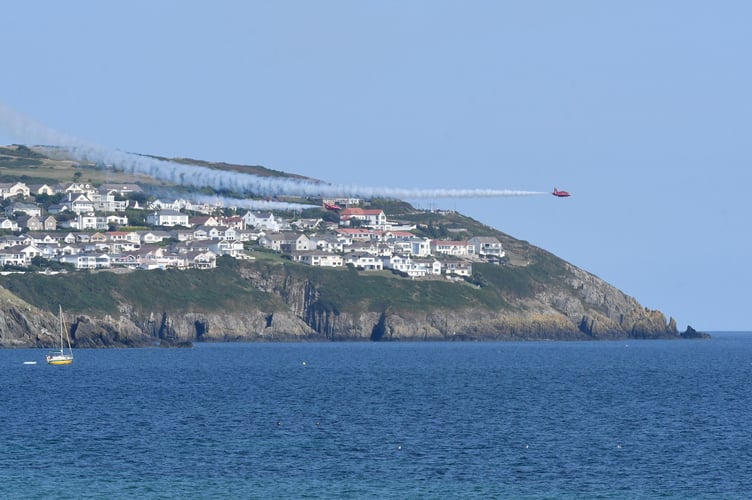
(399, 447)
(304, 363)
(618, 446)
(279, 423)
(526, 447)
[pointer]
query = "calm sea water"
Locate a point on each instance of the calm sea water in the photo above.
(636, 419)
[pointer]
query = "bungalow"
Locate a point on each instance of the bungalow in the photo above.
(99, 238)
(125, 246)
(58, 208)
(152, 237)
(23, 208)
(116, 236)
(87, 260)
(42, 239)
(357, 234)
(117, 220)
(121, 189)
(319, 258)
(185, 247)
(369, 247)
(453, 248)
(306, 224)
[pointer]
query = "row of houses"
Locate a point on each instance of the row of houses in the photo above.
(364, 238)
(382, 243)
(413, 267)
(146, 257)
(371, 250)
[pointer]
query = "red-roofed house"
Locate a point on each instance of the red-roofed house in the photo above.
(370, 217)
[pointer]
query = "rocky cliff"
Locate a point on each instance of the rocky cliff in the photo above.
(578, 307)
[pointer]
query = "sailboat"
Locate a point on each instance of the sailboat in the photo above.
(61, 357)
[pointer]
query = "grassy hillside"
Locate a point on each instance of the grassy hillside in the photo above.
(100, 292)
(492, 286)
(40, 165)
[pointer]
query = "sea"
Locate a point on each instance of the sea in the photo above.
(400, 420)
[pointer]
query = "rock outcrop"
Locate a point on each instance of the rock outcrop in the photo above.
(571, 305)
(582, 308)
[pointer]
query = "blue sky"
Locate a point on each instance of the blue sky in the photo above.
(642, 109)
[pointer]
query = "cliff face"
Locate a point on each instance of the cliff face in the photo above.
(579, 307)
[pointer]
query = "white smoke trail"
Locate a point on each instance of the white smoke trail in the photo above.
(32, 132)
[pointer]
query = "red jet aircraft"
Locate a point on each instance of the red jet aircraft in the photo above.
(332, 206)
(561, 194)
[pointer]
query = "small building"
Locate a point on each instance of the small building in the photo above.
(167, 217)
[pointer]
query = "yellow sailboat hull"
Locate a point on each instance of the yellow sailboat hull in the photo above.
(60, 362)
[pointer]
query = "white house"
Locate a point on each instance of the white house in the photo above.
(79, 203)
(487, 246)
(415, 268)
(11, 189)
(263, 220)
(9, 224)
(319, 258)
(167, 217)
(286, 242)
(453, 248)
(365, 261)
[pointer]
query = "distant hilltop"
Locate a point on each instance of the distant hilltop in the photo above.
(379, 271)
